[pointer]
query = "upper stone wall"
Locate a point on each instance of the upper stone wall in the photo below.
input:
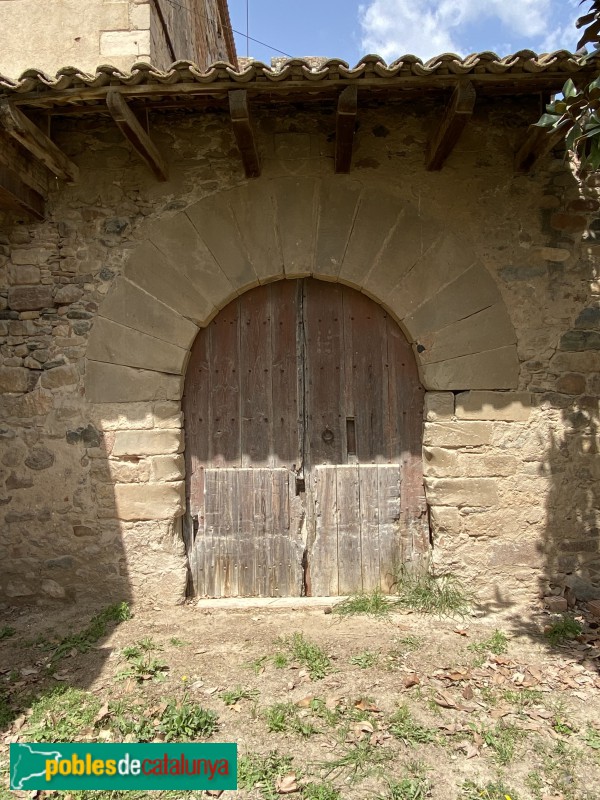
(87, 33)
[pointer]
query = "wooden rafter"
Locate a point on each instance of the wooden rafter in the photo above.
(26, 133)
(243, 132)
(18, 196)
(457, 114)
(135, 134)
(537, 144)
(345, 125)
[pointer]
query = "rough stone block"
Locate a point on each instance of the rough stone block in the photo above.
(30, 298)
(556, 604)
(226, 254)
(445, 518)
(111, 383)
(571, 383)
(509, 406)
(153, 272)
(336, 215)
(135, 308)
(438, 405)
(66, 375)
(471, 292)
(493, 369)
(479, 492)
(148, 443)
(488, 329)
(457, 434)
(116, 344)
(139, 16)
(167, 468)
(253, 208)
(296, 231)
(13, 379)
(35, 256)
(65, 295)
(439, 462)
(148, 501)
(20, 276)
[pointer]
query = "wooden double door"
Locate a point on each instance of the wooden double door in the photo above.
(303, 419)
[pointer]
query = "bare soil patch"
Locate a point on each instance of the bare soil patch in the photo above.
(399, 706)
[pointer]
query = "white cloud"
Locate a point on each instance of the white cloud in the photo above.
(426, 28)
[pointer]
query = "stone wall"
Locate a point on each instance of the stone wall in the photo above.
(491, 275)
(87, 33)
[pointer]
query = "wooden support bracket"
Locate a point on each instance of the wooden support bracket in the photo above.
(345, 125)
(243, 132)
(457, 114)
(133, 131)
(18, 196)
(537, 144)
(23, 130)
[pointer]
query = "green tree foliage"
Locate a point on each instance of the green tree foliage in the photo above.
(577, 111)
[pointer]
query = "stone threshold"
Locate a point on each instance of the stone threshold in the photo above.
(267, 602)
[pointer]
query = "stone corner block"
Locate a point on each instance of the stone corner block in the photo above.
(438, 405)
(461, 433)
(458, 492)
(148, 442)
(487, 405)
(149, 501)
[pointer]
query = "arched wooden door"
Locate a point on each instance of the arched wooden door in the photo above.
(303, 418)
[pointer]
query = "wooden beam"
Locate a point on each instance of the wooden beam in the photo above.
(458, 112)
(345, 125)
(24, 131)
(538, 143)
(133, 131)
(243, 132)
(18, 196)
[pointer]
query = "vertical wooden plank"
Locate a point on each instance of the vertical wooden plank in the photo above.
(390, 555)
(369, 525)
(285, 557)
(284, 377)
(365, 328)
(323, 555)
(207, 548)
(224, 396)
(256, 367)
(348, 529)
(324, 373)
(264, 538)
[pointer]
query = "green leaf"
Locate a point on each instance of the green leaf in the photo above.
(548, 120)
(569, 89)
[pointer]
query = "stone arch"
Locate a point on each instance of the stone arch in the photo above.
(194, 262)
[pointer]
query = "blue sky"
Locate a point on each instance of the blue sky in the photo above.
(349, 29)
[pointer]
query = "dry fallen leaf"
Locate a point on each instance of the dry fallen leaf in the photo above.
(102, 714)
(444, 700)
(286, 784)
(461, 631)
(467, 693)
(305, 702)
(364, 705)
(412, 679)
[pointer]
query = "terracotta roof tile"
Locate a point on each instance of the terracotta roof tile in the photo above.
(557, 66)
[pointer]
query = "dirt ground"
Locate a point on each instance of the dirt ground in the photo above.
(489, 707)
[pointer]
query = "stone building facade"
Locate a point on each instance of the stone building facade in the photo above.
(86, 33)
(490, 271)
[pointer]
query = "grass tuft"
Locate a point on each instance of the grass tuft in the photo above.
(365, 659)
(233, 696)
(491, 791)
(60, 715)
(310, 655)
(185, 720)
(497, 644)
(358, 762)
(404, 727)
(374, 603)
(83, 641)
(285, 717)
(262, 772)
(444, 596)
(562, 629)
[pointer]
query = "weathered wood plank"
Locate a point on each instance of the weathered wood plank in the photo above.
(224, 388)
(345, 126)
(285, 451)
(243, 132)
(390, 555)
(538, 143)
(368, 515)
(326, 418)
(255, 379)
(457, 114)
(23, 130)
(348, 529)
(132, 130)
(323, 556)
(17, 196)
(365, 325)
